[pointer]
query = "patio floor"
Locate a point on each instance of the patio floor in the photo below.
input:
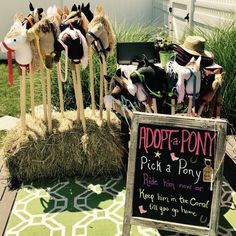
(92, 207)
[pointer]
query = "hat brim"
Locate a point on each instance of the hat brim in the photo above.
(194, 53)
(214, 66)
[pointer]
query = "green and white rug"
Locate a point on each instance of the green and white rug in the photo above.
(75, 208)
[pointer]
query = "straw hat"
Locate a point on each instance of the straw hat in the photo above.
(195, 45)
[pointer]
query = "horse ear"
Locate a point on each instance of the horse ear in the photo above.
(24, 26)
(147, 63)
(54, 10)
(98, 10)
(216, 71)
(31, 7)
(88, 6)
(108, 78)
(74, 8)
(71, 26)
(82, 7)
(59, 11)
(118, 72)
(40, 10)
(49, 11)
(66, 10)
(79, 8)
(191, 60)
(198, 61)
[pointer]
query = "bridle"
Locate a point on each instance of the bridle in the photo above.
(142, 80)
(27, 19)
(9, 62)
(192, 74)
(99, 41)
(11, 51)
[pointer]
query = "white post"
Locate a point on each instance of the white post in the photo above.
(190, 9)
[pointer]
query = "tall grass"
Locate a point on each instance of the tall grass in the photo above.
(10, 96)
(222, 42)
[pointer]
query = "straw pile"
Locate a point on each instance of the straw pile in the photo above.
(65, 152)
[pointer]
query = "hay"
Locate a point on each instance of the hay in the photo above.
(67, 151)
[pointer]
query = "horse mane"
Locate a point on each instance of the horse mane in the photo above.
(100, 17)
(85, 22)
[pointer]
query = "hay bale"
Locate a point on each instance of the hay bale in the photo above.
(67, 151)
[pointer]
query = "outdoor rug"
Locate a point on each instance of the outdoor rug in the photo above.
(76, 207)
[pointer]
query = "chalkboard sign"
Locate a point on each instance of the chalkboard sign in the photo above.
(174, 173)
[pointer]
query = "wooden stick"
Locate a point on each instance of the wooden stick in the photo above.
(32, 91)
(49, 101)
(91, 77)
(154, 102)
(172, 106)
(106, 88)
(200, 110)
(101, 91)
(22, 98)
(149, 110)
(44, 98)
(190, 105)
(81, 102)
(75, 90)
(59, 81)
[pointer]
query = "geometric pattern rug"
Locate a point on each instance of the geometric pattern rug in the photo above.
(77, 207)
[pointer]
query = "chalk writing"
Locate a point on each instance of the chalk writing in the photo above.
(146, 163)
(169, 174)
(183, 170)
(149, 181)
(162, 198)
(145, 196)
(193, 142)
(168, 184)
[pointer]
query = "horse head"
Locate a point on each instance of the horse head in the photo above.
(193, 84)
(77, 19)
(35, 15)
(100, 33)
(189, 79)
(45, 33)
(152, 77)
(120, 83)
(16, 41)
(74, 43)
(211, 81)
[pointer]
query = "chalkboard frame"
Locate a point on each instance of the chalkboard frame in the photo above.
(218, 125)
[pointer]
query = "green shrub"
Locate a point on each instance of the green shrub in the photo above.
(10, 95)
(221, 41)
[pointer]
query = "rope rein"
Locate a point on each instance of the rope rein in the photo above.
(142, 80)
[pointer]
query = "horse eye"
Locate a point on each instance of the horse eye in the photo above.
(14, 40)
